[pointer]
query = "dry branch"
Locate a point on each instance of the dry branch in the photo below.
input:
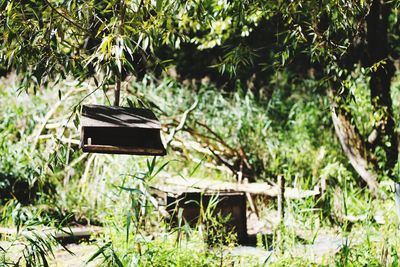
(181, 124)
(235, 159)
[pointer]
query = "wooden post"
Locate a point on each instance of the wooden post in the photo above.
(281, 198)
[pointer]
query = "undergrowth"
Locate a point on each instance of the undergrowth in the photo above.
(45, 180)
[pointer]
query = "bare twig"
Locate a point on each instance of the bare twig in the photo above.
(181, 123)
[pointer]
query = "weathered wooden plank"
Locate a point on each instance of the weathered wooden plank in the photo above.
(190, 184)
(123, 150)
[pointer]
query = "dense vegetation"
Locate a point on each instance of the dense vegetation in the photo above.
(310, 91)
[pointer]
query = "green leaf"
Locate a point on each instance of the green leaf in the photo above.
(76, 121)
(98, 252)
(130, 103)
(128, 225)
(159, 4)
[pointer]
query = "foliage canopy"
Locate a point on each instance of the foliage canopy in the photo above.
(48, 40)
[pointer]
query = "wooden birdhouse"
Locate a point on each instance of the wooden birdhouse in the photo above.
(120, 130)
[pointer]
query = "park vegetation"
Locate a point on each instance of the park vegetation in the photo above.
(307, 90)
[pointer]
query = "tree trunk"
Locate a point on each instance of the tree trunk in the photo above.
(360, 150)
(381, 76)
(353, 146)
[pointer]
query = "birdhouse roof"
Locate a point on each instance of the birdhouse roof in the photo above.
(118, 117)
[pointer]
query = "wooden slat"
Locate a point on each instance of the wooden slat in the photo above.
(123, 150)
(118, 117)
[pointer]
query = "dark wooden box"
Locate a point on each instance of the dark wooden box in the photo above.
(229, 203)
(120, 130)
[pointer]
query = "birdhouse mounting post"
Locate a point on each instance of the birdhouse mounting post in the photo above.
(117, 90)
